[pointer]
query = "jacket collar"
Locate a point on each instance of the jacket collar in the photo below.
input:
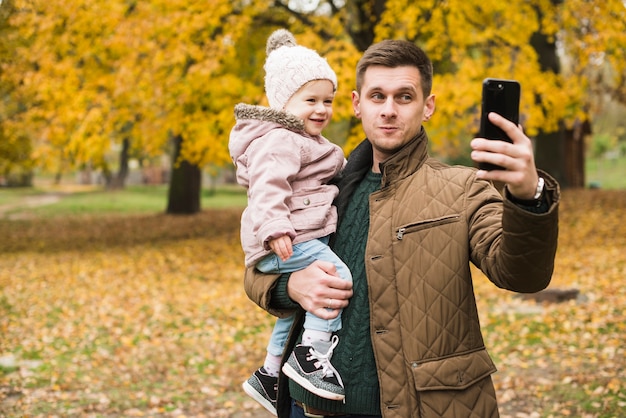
(402, 164)
(267, 114)
(406, 161)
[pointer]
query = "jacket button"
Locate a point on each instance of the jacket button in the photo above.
(414, 364)
(307, 202)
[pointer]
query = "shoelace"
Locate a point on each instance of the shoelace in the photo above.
(324, 360)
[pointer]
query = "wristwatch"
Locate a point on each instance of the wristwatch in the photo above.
(539, 191)
(536, 200)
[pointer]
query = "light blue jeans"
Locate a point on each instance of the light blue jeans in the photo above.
(304, 254)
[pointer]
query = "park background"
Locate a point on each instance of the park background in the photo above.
(120, 265)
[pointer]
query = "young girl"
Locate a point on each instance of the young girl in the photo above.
(285, 164)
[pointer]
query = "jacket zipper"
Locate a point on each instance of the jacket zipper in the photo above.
(425, 224)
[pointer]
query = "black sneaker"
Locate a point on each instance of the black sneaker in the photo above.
(262, 388)
(310, 367)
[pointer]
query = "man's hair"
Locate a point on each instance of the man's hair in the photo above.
(396, 53)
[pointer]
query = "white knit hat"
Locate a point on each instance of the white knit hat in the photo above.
(289, 66)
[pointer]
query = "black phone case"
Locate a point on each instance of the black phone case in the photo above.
(502, 97)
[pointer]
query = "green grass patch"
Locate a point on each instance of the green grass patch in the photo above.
(131, 200)
(606, 173)
(9, 196)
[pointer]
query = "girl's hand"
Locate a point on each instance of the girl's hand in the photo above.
(282, 247)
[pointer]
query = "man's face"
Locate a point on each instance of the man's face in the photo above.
(391, 107)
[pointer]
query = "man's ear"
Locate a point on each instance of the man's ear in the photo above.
(429, 107)
(356, 104)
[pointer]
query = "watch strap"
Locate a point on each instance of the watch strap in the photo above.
(539, 191)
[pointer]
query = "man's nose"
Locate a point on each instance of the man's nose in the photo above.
(389, 108)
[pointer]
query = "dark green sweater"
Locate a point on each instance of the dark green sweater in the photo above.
(353, 357)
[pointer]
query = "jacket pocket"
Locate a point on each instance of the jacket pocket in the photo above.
(311, 209)
(452, 373)
(427, 223)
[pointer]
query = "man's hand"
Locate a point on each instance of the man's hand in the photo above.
(319, 290)
(517, 159)
(282, 247)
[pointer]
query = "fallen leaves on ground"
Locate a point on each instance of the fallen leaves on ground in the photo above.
(146, 316)
(567, 359)
(157, 323)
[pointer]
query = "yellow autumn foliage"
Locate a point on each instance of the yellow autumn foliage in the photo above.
(82, 79)
(470, 41)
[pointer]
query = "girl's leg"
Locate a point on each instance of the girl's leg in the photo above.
(304, 254)
(276, 345)
(309, 364)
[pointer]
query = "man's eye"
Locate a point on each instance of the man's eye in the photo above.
(405, 98)
(378, 96)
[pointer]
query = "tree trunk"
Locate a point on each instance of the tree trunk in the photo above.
(559, 153)
(550, 154)
(185, 184)
(119, 180)
(362, 18)
(107, 175)
(575, 153)
(19, 179)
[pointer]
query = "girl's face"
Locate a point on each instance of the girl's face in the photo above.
(313, 103)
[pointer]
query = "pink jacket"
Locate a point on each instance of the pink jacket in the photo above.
(286, 173)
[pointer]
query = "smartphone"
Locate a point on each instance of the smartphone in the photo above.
(502, 97)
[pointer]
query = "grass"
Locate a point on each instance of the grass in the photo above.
(13, 196)
(92, 201)
(75, 200)
(606, 173)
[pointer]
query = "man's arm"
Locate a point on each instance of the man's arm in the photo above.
(517, 252)
(513, 246)
(260, 286)
(315, 289)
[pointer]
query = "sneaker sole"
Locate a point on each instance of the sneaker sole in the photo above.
(296, 377)
(251, 392)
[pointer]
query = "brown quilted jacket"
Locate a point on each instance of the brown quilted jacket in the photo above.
(427, 223)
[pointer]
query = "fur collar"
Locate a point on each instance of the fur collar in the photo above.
(267, 114)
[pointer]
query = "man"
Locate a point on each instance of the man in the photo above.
(411, 344)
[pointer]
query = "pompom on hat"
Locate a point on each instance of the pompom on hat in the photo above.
(289, 66)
